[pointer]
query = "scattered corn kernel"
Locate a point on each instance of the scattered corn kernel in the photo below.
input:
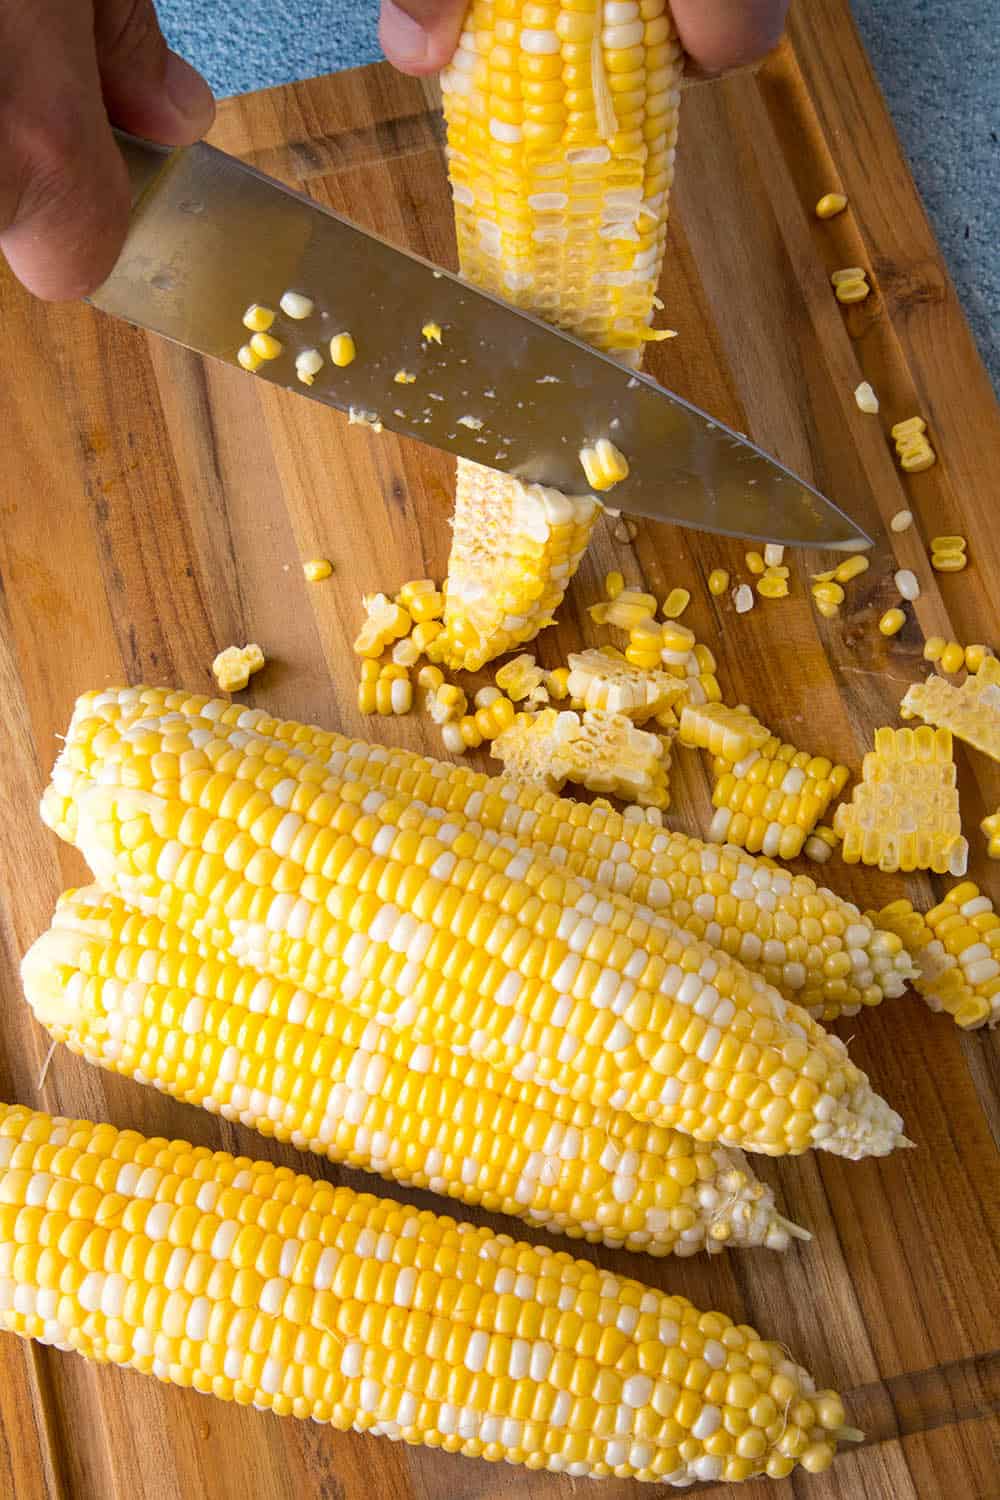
(676, 603)
(828, 593)
(948, 562)
(901, 521)
(755, 563)
(948, 544)
(603, 464)
(266, 346)
(820, 844)
(774, 554)
(296, 305)
(432, 332)
(342, 349)
(430, 678)
(308, 365)
(892, 622)
(850, 284)
(234, 667)
(629, 609)
(991, 827)
(933, 647)
(425, 633)
(830, 205)
(493, 718)
(387, 693)
(613, 585)
(316, 569)
(827, 610)
(866, 398)
(952, 658)
(908, 428)
(404, 377)
(743, 599)
(423, 599)
(677, 642)
(718, 581)
(975, 656)
(406, 653)
(906, 583)
(851, 567)
(257, 318)
(385, 621)
(520, 678)
(248, 358)
(917, 458)
(447, 703)
(771, 586)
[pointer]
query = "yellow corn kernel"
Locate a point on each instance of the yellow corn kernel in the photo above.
(430, 677)
(630, 609)
(494, 717)
(424, 634)
(771, 586)
(385, 621)
(851, 567)
(447, 703)
(911, 427)
(521, 678)
(933, 647)
(952, 658)
(676, 639)
(915, 460)
(557, 682)
(257, 318)
(233, 668)
(892, 622)
(431, 332)
(613, 585)
(820, 844)
(829, 205)
(266, 346)
(948, 562)
(248, 358)
(850, 288)
(948, 544)
(991, 827)
(676, 603)
(718, 581)
(828, 593)
(406, 653)
(826, 609)
(975, 656)
(603, 464)
(316, 569)
(342, 350)
(755, 563)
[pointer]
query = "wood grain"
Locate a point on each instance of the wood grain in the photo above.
(154, 508)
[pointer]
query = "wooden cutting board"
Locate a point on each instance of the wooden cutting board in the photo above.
(154, 508)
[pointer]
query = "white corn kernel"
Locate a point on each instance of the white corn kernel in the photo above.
(866, 398)
(296, 305)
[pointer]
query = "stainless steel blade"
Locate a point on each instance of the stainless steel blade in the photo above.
(209, 235)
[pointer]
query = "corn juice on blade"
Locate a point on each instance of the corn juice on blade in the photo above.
(365, 1313)
(805, 941)
(131, 994)
(430, 926)
(904, 814)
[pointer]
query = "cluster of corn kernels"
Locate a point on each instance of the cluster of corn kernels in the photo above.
(949, 554)
(263, 346)
(493, 715)
(523, 680)
(904, 814)
(234, 667)
(602, 680)
(991, 827)
(952, 656)
(850, 284)
(604, 465)
(384, 688)
(770, 571)
(386, 621)
(971, 711)
(956, 948)
(729, 734)
(828, 588)
(913, 448)
(604, 752)
(820, 844)
(771, 800)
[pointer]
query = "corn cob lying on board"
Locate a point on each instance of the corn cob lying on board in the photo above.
(562, 124)
(807, 942)
(431, 926)
(259, 1286)
(139, 996)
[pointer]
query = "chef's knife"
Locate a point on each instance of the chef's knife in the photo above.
(210, 235)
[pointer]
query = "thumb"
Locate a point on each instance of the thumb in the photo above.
(148, 89)
(419, 36)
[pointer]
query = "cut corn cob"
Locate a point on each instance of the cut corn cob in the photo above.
(600, 750)
(138, 996)
(603, 682)
(245, 1280)
(561, 142)
(431, 926)
(904, 814)
(806, 942)
(772, 799)
(971, 711)
(730, 733)
(956, 948)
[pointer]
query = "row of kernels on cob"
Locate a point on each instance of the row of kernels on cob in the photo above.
(904, 813)
(329, 896)
(765, 926)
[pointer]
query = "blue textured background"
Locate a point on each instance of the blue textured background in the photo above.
(939, 66)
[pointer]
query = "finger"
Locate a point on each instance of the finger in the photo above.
(148, 89)
(64, 197)
(419, 36)
(720, 34)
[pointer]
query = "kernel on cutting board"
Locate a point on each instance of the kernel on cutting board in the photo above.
(234, 666)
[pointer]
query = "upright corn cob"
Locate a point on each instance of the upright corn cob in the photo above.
(602, 751)
(956, 947)
(904, 814)
(806, 942)
(971, 712)
(562, 123)
(138, 996)
(439, 930)
(253, 1284)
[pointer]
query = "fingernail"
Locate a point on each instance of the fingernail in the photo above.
(404, 40)
(188, 92)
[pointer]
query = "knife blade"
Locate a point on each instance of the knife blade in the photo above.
(209, 235)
